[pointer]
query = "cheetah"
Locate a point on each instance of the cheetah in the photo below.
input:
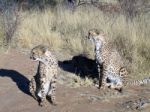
(110, 65)
(43, 85)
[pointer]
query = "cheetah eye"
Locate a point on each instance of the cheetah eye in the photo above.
(33, 53)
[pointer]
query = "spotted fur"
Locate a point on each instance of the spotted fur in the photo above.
(112, 72)
(43, 84)
(109, 62)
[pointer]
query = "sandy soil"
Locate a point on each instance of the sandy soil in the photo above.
(16, 69)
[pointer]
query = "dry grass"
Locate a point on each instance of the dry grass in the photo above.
(65, 31)
(74, 80)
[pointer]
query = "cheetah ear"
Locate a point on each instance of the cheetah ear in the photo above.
(101, 32)
(97, 32)
(46, 51)
(43, 48)
(93, 32)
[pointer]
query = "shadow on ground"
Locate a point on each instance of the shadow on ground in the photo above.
(21, 81)
(80, 65)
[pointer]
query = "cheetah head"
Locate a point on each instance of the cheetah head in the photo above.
(39, 53)
(97, 37)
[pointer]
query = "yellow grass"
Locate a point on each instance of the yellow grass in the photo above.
(65, 31)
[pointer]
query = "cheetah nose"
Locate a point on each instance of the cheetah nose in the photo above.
(109, 86)
(86, 37)
(32, 58)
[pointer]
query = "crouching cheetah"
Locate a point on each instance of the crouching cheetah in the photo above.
(43, 84)
(110, 65)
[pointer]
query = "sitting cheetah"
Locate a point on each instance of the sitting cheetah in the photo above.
(109, 62)
(110, 65)
(43, 84)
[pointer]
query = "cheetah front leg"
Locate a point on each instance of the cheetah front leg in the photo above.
(42, 92)
(52, 91)
(32, 88)
(100, 75)
(103, 80)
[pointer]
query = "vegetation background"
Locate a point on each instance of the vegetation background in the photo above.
(63, 25)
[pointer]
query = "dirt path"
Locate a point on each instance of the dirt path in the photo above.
(16, 69)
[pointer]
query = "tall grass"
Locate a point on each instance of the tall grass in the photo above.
(65, 31)
(1, 32)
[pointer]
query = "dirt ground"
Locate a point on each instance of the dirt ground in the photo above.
(16, 69)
